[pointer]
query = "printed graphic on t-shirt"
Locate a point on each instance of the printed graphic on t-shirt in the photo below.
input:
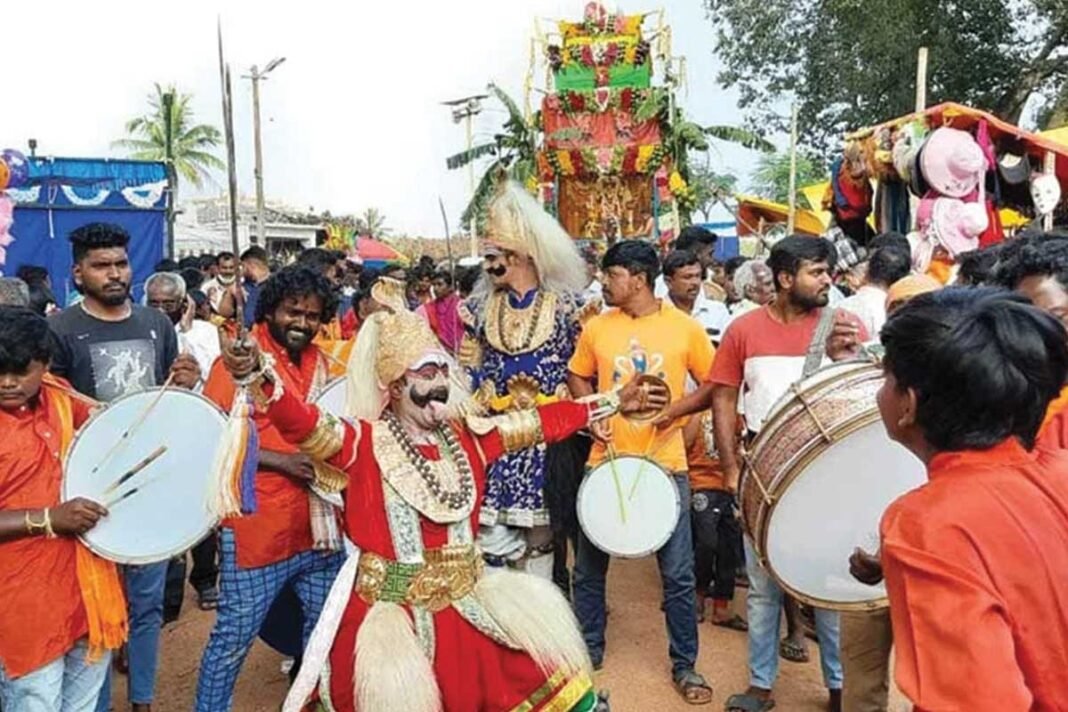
(637, 362)
(121, 367)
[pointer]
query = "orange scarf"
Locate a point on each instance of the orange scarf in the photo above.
(1055, 407)
(102, 595)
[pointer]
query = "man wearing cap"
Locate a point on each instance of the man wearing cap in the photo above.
(521, 326)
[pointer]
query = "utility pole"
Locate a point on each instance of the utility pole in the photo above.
(255, 75)
(465, 110)
(791, 215)
(172, 177)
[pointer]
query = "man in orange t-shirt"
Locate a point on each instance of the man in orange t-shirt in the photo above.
(642, 335)
(976, 559)
(48, 659)
(280, 544)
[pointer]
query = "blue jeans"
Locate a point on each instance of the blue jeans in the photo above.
(67, 684)
(765, 611)
(676, 574)
(144, 602)
(245, 597)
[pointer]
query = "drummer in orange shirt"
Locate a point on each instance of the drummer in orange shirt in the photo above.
(56, 629)
(292, 538)
(976, 560)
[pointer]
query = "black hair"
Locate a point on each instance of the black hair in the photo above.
(636, 257)
(465, 281)
(296, 281)
(198, 297)
(166, 265)
(984, 364)
(977, 266)
(32, 274)
(96, 236)
(339, 255)
(192, 277)
(317, 259)
(41, 297)
(888, 264)
(24, 337)
(222, 256)
(444, 275)
(731, 265)
(788, 254)
(1035, 255)
(693, 237)
(678, 259)
(257, 254)
(189, 262)
(890, 239)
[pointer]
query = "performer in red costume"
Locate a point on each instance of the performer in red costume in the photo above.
(411, 623)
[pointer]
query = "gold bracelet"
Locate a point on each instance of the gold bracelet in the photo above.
(49, 532)
(40, 527)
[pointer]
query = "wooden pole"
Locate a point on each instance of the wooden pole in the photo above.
(791, 216)
(921, 105)
(921, 80)
(1049, 167)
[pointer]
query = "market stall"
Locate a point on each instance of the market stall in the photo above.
(952, 177)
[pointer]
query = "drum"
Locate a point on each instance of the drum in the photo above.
(816, 482)
(628, 506)
(332, 397)
(161, 509)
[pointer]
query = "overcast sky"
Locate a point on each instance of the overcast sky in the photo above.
(351, 120)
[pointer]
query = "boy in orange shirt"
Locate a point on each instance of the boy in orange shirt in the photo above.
(56, 628)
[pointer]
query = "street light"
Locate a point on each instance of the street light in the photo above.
(255, 75)
(466, 109)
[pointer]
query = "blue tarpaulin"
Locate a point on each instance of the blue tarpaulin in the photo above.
(66, 193)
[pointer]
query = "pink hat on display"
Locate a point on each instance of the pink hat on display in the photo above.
(957, 225)
(952, 162)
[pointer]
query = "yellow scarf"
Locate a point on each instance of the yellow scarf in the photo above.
(102, 595)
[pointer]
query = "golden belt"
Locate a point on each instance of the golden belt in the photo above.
(447, 574)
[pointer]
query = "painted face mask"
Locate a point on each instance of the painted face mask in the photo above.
(1045, 193)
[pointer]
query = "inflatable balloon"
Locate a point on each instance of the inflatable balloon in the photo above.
(18, 168)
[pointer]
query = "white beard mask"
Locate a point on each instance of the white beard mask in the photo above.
(1045, 193)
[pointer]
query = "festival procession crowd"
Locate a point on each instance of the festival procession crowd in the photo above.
(428, 542)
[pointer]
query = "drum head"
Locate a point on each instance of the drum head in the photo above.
(650, 507)
(332, 398)
(168, 514)
(833, 505)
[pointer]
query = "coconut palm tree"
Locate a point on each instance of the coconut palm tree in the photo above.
(372, 224)
(167, 133)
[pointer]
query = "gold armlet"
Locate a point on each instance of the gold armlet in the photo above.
(519, 429)
(325, 440)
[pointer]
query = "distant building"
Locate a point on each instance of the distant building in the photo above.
(203, 226)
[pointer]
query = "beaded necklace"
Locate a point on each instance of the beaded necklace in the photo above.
(453, 455)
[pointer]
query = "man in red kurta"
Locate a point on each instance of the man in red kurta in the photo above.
(261, 553)
(976, 560)
(56, 628)
(411, 623)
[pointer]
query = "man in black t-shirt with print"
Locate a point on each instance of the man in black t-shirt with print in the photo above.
(108, 347)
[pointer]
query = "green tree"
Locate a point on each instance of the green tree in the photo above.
(849, 64)
(709, 186)
(185, 146)
(514, 150)
(372, 224)
(771, 179)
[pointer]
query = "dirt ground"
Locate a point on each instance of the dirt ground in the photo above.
(636, 671)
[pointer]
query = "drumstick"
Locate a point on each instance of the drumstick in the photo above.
(615, 478)
(649, 451)
(136, 468)
(136, 424)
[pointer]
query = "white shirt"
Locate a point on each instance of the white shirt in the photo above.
(202, 343)
(594, 290)
(711, 315)
(213, 289)
(869, 304)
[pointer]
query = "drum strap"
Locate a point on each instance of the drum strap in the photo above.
(818, 347)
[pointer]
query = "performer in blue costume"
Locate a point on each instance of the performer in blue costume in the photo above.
(522, 323)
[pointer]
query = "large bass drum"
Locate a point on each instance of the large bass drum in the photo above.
(332, 397)
(816, 482)
(161, 511)
(628, 506)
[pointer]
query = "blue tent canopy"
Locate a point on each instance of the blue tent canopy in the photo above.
(66, 193)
